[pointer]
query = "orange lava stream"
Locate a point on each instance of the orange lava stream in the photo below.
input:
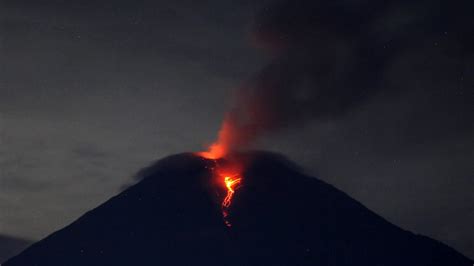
(228, 174)
(230, 183)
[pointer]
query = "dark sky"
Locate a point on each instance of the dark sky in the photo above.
(91, 91)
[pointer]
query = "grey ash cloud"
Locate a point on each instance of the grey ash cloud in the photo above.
(328, 58)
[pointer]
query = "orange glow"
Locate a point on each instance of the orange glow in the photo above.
(230, 183)
(229, 174)
(230, 178)
(221, 147)
(215, 151)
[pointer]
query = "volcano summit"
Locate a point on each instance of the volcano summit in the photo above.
(279, 216)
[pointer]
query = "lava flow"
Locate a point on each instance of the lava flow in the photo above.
(228, 174)
(231, 184)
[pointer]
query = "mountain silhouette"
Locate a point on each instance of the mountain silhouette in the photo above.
(279, 216)
(10, 246)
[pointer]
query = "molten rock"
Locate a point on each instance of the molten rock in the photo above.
(279, 216)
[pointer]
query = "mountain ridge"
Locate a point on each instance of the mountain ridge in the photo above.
(280, 216)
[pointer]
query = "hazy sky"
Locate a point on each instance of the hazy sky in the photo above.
(91, 91)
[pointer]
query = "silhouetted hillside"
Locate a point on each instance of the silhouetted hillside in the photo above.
(10, 246)
(279, 217)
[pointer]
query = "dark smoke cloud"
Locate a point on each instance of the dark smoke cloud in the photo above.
(328, 57)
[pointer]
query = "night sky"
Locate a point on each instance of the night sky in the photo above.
(92, 91)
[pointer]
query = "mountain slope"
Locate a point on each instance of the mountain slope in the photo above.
(10, 246)
(279, 217)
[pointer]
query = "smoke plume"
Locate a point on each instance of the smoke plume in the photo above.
(327, 57)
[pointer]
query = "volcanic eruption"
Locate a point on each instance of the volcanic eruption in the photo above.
(232, 206)
(279, 216)
(228, 173)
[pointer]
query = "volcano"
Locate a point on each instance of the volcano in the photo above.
(279, 216)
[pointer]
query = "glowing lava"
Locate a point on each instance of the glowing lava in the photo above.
(228, 174)
(229, 177)
(231, 184)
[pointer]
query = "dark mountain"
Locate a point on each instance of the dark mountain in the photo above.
(279, 216)
(10, 246)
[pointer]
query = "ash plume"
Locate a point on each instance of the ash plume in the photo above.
(328, 57)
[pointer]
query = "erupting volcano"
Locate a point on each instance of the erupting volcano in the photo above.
(230, 174)
(229, 177)
(220, 148)
(280, 216)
